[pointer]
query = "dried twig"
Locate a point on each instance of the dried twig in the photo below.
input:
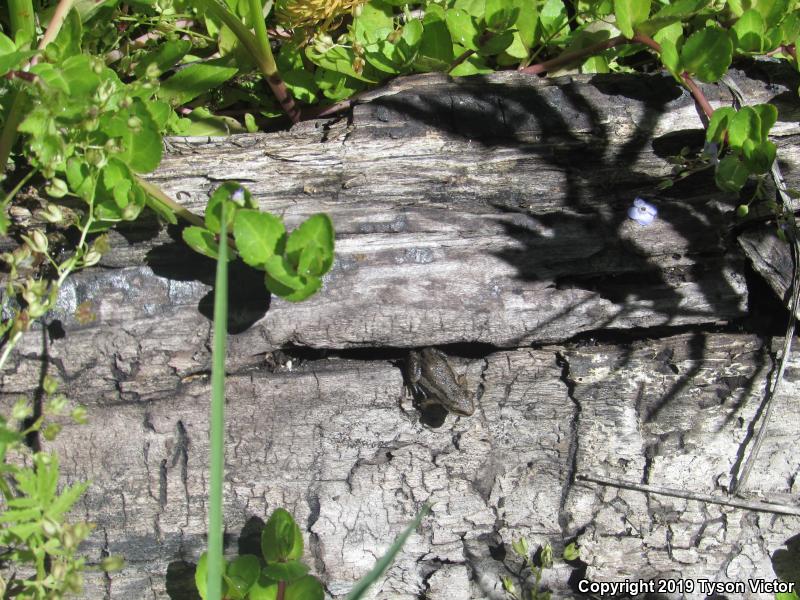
(781, 509)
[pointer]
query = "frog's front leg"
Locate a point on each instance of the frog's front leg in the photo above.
(414, 373)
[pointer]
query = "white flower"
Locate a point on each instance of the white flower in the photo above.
(238, 197)
(642, 212)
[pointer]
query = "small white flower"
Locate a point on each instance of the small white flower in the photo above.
(642, 212)
(238, 197)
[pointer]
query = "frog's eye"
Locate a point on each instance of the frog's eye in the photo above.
(642, 212)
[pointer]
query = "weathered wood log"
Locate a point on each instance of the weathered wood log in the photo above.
(336, 442)
(488, 213)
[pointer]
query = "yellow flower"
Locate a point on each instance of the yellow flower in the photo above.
(301, 13)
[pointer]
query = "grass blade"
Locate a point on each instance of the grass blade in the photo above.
(217, 458)
(383, 563)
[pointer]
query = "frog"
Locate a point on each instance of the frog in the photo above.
(431, 376)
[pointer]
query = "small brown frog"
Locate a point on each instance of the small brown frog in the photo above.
(431, 377)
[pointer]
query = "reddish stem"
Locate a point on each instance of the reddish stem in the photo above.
(697, 94)
(647, 41)
(281, 590)
(284, 98)
(562, 61)
(318, 112)
(464, 56)
(570, 57)
(21, 75)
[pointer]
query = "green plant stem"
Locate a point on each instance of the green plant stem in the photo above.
(281, 590)
(176, 208)
(274, 79)
(217, 449)
(57, 20)
(15, 114)
(8, 137)
(10, 195)
(10, 343)
(20, 15)
(262, 55)
(14, 339)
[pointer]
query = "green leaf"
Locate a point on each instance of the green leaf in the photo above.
(745, 124)
(301, 84)
(474, 65)
(528, 24)
(474, 7)
(595, 64)
(436, 46)
(336, 86)
(719, 123)
(281, 539)
(496, 43)
(242, 574)
(81, 178)
(202, 241)
(46, 477)
(731, 174)
(10, 58)
(141, 140)
(681, 9)
(194, 80)
(264, 589)
(773, 11)
(161, 112)
(162, 58)
(65, 501)
(117, 197)
(307, 588)
(282, 280)
(201, 576)
(361, 587)
(202, 122)
(258, 236)
(515, 53)
(68, 40)
(759, 156)
(339, 59)
(707, 53)
(553, 18)
(7, 45)
(316, 232)
(500, 15)
(161, 208)
(462, 27)
(670, 57)
(83, 76)
(669, 34)
(630, 13)
(749, 31)
(572, 552)
(790, 29)
(285, 571)
(374, 22)
(674, 13)
(768, 115)
(224, 193)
